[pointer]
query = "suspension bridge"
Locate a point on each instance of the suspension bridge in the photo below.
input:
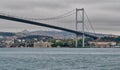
(33, 22)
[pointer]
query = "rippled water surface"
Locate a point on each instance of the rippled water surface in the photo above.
(59, 59)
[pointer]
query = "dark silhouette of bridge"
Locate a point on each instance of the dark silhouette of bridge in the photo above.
(45, 25)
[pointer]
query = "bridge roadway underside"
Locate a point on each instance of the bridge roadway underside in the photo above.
(44, 25)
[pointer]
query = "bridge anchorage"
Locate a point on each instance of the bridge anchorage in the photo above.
(83, 33)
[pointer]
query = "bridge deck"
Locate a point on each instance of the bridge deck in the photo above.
(44, 25)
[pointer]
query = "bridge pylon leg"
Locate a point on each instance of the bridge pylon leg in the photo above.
(76, 41)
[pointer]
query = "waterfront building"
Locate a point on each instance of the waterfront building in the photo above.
(102, 44)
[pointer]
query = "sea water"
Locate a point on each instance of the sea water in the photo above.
(59, 59)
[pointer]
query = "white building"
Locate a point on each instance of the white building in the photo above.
(42, 44)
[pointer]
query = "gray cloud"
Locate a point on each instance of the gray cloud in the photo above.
(104, 14)
(93, 2)
(112, 7)
(30, 4)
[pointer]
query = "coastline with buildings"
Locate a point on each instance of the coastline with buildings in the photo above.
(49, 39)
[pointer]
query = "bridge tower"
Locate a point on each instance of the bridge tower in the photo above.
(78, 13)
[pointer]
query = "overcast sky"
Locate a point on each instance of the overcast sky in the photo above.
(104, 14)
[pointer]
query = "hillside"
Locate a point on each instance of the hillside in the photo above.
(54, 34)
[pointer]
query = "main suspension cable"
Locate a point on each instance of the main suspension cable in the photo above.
(51, 18)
